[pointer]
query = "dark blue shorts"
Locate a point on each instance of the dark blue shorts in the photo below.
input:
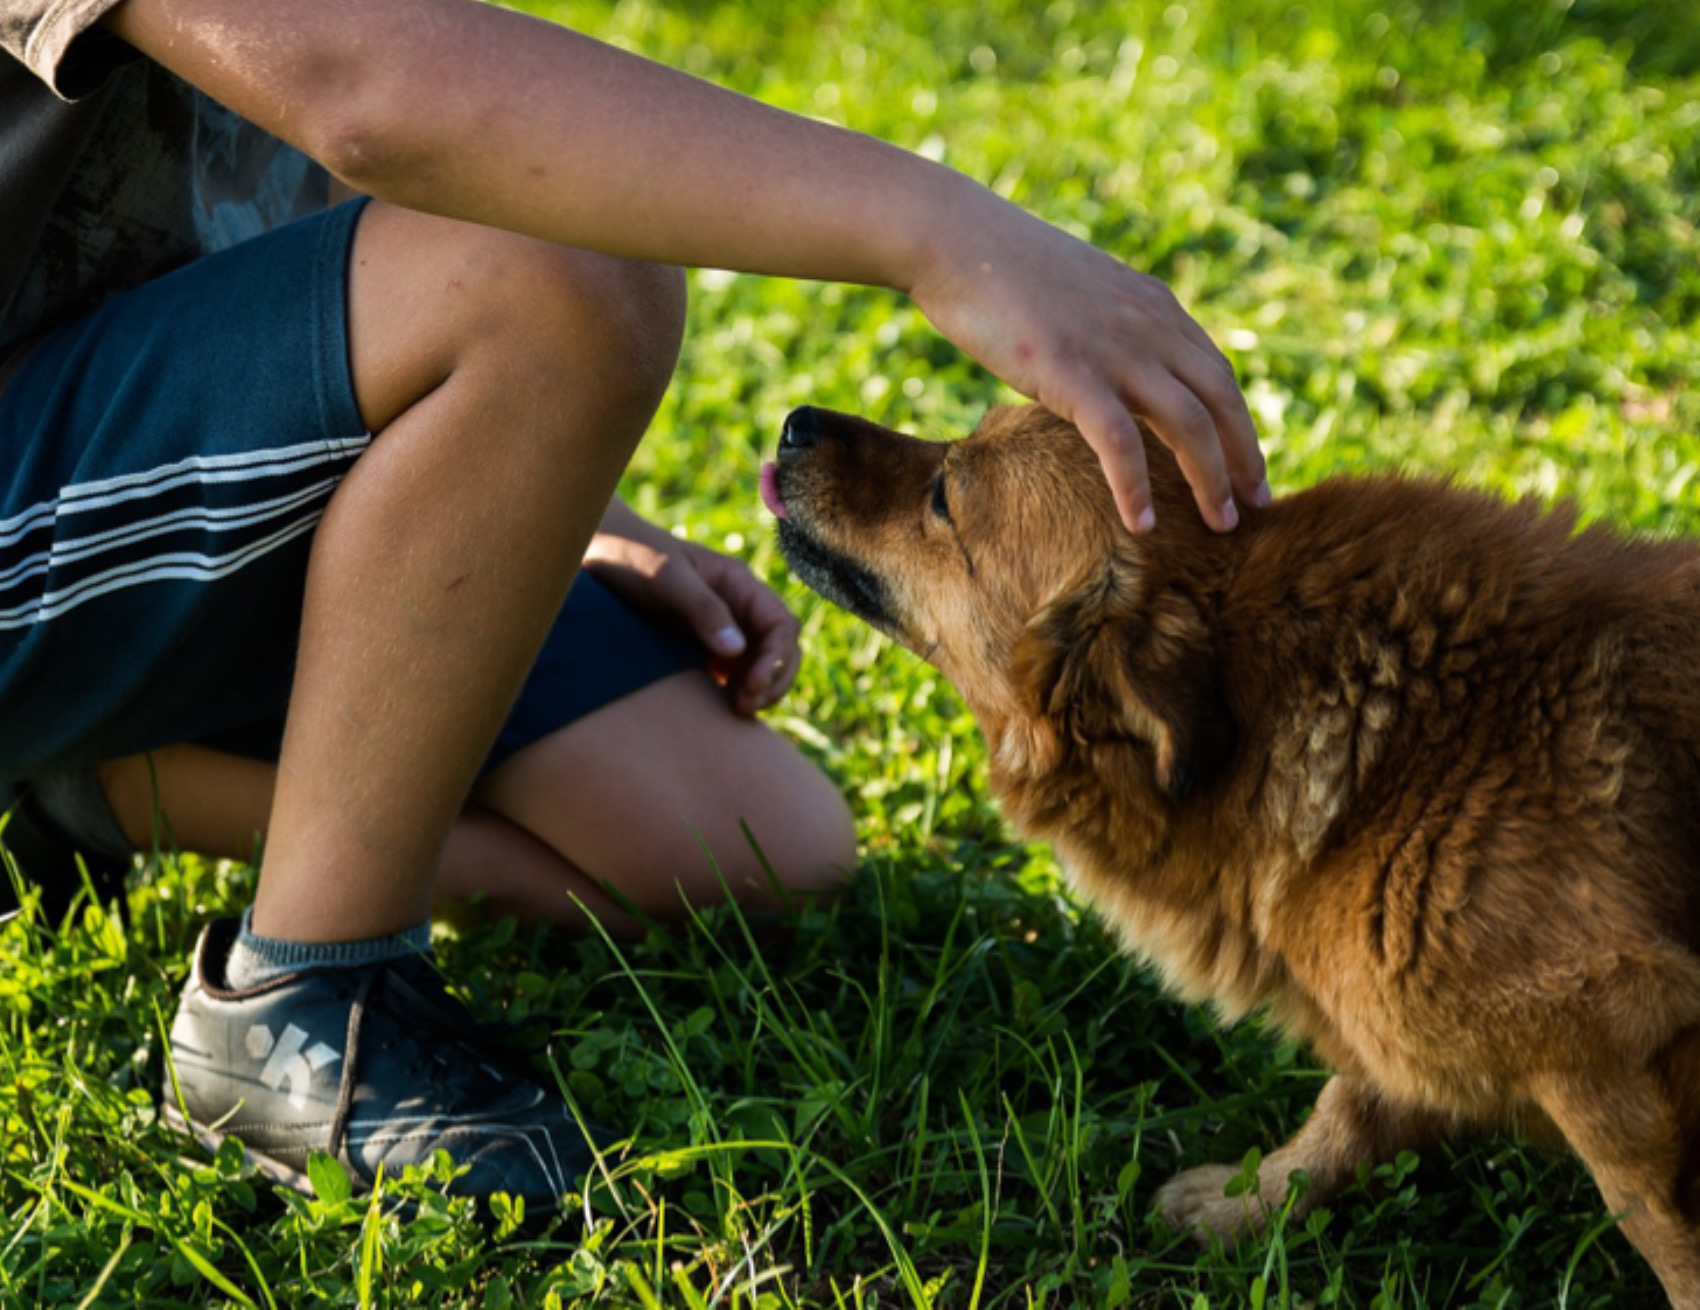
(166, 460)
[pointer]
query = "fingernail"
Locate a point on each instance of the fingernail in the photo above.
(729, 639)
(1147, 519)
(1230, 514)
(1263, 497)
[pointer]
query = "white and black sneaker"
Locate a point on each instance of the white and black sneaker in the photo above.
(374, 1065)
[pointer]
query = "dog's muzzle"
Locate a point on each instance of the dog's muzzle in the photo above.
(836, 576)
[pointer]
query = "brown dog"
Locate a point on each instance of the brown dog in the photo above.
(1414, 770)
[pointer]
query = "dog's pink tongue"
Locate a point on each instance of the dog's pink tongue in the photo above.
(770, 491)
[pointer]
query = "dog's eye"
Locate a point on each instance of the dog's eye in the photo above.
(941, 503)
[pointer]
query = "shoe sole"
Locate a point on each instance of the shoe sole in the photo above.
(210, 1140)
(538, 1212)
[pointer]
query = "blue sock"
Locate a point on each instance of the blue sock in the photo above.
(254, 959)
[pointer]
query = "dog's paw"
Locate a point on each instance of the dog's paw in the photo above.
(1196, 1202)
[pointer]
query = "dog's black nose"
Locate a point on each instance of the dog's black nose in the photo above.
(801, 430)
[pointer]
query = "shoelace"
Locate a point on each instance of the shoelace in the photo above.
(435, 1010)
(496, 1043)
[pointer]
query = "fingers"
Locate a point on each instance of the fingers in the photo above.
(686, 592)
(1195, 408)
(767, 677)
(1185, 425)
(765, 666)
(1200, 338)
(1211, 379)
(1194, 404)
(1111, 432)
(773, 666)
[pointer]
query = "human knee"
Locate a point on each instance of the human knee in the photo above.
(617, 320)
(824, 853)
(623, 320)
(780, 834)
(805, 835)
(431, 298)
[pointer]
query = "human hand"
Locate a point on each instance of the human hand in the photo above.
(750, 635)
(1098, 343)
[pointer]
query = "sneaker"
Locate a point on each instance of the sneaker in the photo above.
(375, 1065)
(47, 855)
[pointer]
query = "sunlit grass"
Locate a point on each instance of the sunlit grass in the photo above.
(1448, 236)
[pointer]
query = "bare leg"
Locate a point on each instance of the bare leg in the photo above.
(1351, 1124)
(619, 796)
(645, 791)
(219, 804)
(508, 381)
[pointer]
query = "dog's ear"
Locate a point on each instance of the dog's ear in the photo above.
(1102, 661)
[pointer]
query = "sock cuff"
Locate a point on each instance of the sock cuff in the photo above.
(255, 959)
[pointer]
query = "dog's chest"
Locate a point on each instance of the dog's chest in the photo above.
(1201, 952)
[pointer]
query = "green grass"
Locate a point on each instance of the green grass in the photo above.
(1457, 236)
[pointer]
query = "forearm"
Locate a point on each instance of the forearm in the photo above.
(472, 112)
(621, 523)
(478, 113)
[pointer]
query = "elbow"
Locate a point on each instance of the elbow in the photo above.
(354, 86)
(353, 153)
(365, 149)
(360, 117)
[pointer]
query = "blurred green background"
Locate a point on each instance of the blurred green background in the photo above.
(1455, 235)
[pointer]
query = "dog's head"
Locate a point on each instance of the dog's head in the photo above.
(1001, 560)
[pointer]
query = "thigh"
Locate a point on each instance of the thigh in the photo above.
(653, 794)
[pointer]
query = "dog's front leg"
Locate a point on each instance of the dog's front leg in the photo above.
(1352, 1124)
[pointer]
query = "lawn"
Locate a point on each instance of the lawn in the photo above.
(1450, 236)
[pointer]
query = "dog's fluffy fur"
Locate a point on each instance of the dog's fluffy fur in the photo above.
(1414, 770)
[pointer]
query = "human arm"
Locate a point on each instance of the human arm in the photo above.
(478, 113)
(750, 635)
